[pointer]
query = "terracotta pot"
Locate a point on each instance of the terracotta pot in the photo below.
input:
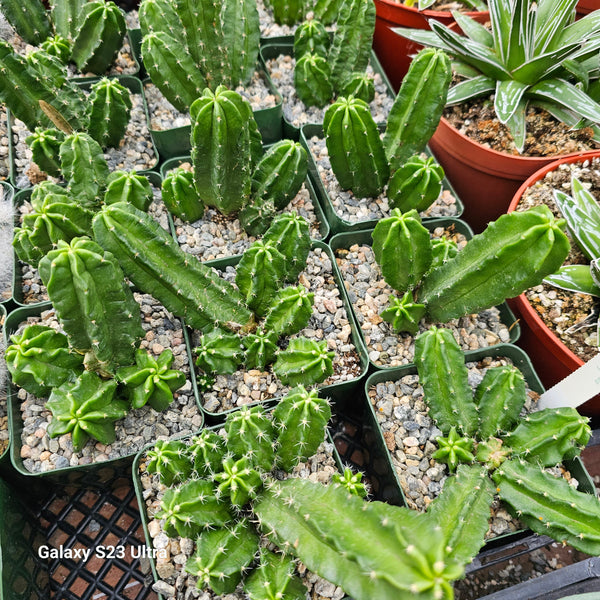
(552, 360)
(585, 7)
(484, 179)
(394, 52)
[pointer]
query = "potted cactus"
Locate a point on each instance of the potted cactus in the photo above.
(547, 98)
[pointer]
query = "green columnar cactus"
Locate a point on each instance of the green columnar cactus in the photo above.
(84, 167)
(85, 408)
(256, 217)
(57, 46)
(304, 362)
(150, 380)
(402, 249)
(355, 149)
(45, 64)
(442, 250)
(274, 579)
(219, 352)
(351, 482)
(65, 17)
(418, 106)
(327, 10)
(191, 507)
(39, 359)
(155, 263)
(287, 12)
(171, 460)
(312, 80)
(280, 174)
(93, 303)
(352, 41)
(180, 195)
(100, 36)
(250, 432)
(261, 348)
(54, 216)
(222, 556)
(168, 61)
(404, 313)
(301, 420)
(45, 148)
(290, 310)
(311, 37)
(259, 275)
(416, 184)
(221, 152)
(207, 451)
(359, 85)
(237, 481)
(290, 234)
(29, 19)
(129, 187)
(160, 15)
(109, 109)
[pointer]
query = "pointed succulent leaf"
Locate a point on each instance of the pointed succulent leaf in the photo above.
(304, 362)
(219, 352)
(575, 278)
(403, 314)
(171, 460)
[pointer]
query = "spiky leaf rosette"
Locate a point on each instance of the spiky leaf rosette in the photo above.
(304, 362)
(100, 36)
(222, 555)
(45, 148)
(290, 310)
(191, 507)
(129, 187)
(359, 85)
(171, 460)
(250, 433)
(219, 352)
(351, 482)
(84, 167)
(39, 359)
(290, 234)
(402, 248)
(261, 348)
(55, 217)
(86, 408)
(443, 375)
(274, 579)
(57, 46)
(355, 149)
(312, 80)
(109, 109)
(416, 184)
(403, 314)
(207, 450)
(300, 419)
(311, 37)
(549, 505)
(180, 195)
(150, 381)
(93, 303)
(29, 20)
(259, 275)
(280, 173)
(238, 481)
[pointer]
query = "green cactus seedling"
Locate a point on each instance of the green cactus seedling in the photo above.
(129, 187)
(352, 482)
(311, 37)
(261, 348)
(207, 450)
(359, 85)
(45, 148)
(304, 362)
(57, 46)
(289, 311)
(86, 408)
(287, 12)
(180, 195)
(312, 80)
(274, 579)
(219, 352)
(171, 460)
(237, 481)
(109, 109)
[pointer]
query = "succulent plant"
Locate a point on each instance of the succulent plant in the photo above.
(423, 4)
(515, 252)
(359, 85)
(129, 187)
(29, 19)
(150, 380)
(171, 460)
(85, 408)
(238, 481)
(290, 310)
(45, 148)
(287, 12)
(261, 348)
(304, 361)
(219, 352)
(207, 451)
(535, 54)
(109, 109)
(180, 195)
(311, 37)
(351, 482)
(274, 578)
(312, 80)
(57, 46)
(39, 359)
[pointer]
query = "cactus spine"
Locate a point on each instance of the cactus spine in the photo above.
(110, 106)
(355, 148)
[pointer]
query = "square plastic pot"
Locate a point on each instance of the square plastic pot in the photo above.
(7, 265)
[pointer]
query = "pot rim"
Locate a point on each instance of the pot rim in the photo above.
(396, 7)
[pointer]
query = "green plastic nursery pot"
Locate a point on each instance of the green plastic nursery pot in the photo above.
(339, 392)
(176, 141)
(139, 492)
(7, 194)
(394, 52)
(337, 223)
(4, 452)
(552, 359)
(273, 49)
(107, 474)
(348, 239)
(18, 292)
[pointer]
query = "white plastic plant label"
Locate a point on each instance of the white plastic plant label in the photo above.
(576, 388)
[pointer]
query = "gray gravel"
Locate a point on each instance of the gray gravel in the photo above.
(329, 321)
(135, 153)
(369, 294)
(354, 210)
(139, 428)
(281, 71)
(6, 250)
(176, 584)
